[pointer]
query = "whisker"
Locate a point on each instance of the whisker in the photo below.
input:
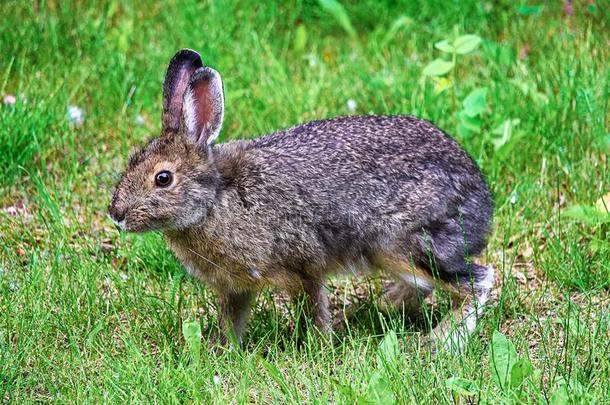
(208, 260)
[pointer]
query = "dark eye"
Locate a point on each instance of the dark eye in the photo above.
(163, 179)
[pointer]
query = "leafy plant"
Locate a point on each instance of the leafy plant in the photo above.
(508, 371)
(334, 8)
(398, 24)
(300, 38)
(470, 116)
(530, 10)
(462, 386)
(276, 374)
(569, 392)
(530, 90)
(387, 351)
(476, 102)
(378, 389)
(560, 395)
(461, 45)
(591, 214)
(504, 132)
(191, 331)
(438, 67)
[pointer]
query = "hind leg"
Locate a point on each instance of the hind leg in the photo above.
(403, 297)
(411, 286)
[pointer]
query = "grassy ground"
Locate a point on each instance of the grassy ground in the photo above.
(87, 314)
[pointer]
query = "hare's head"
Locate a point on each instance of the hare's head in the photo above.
(172, 182)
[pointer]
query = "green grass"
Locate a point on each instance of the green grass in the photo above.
(87, 314)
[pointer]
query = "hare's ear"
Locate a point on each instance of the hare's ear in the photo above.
(204, 106)
(179, 72)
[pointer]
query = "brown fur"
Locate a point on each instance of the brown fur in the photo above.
(290, 208)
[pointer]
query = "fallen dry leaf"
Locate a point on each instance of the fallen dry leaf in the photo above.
(603, 204)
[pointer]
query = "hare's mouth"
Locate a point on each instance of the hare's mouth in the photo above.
(143, 226)
(120, 225)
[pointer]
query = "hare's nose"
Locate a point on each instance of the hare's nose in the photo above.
(119, 216)
(119, 224)
(115, 214)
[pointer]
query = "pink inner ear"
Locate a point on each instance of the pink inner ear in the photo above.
(175, 108)
(204, 109)
(180, 69)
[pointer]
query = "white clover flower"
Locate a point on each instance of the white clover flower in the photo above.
(313, 60)
(216, 379)
(352, 105)
(75, 115)
(140, 120)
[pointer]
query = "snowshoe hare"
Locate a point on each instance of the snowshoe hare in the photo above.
(392, 193)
